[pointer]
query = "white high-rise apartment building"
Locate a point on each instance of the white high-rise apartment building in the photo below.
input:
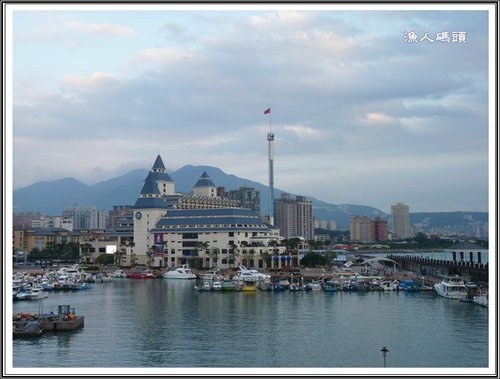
(400, 214)
(294, 218)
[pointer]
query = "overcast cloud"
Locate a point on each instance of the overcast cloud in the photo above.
(359, 115)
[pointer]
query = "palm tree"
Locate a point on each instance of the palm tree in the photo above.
(85, 251)
(203, 246)
(150, 254)
(133, 259)
(121, 253)
(214, 252)
(233, 253)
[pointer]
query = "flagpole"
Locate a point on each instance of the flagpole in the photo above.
(270, 116)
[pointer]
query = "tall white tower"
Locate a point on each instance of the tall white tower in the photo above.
(270, 142)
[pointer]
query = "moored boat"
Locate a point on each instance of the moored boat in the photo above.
(146, 274)
(481, 299)
(331, 286)
(205, 287)
(216, 286)
(409, 285)
(245, 274)
(389, 285)
(451, 287)
(212, 275)
(181, 272)
(118, 274)
(249, 286)
(228, 285)
(35, 293)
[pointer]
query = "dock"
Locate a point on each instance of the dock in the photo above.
(35, 325)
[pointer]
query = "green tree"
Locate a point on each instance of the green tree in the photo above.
(233, 253)
(312, 259)
(104, 259)
(150, 254)
(214, 255)
(119, 254)
(267, 259)
(85, 251)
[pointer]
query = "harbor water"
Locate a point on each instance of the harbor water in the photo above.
(166, 324)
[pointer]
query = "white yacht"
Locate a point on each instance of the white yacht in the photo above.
(35, 293)
(182, 272)
(212, 275)
(452, 287)
(245, 274)
(118, 274)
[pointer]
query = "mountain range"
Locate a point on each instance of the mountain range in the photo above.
(52, 197)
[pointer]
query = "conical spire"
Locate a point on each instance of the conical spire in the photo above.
(158, 165)
(204, 181)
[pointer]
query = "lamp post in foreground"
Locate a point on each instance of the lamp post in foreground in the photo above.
(384, 351)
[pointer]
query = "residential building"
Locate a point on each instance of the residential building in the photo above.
(305, 219)
(294, 217)
(117, 214)
(360, 228)
(400, 215)
(248, 197)
(89, 217)
(325, 224)
(378, 230)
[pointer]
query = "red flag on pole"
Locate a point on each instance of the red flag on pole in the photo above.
(268, 110)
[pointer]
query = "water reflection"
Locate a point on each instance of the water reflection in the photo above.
(165, 323)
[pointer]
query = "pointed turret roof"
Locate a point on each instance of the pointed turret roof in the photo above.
(158, 165)
(150, 187)
(151, 196)
(204, 181)
(159, 172)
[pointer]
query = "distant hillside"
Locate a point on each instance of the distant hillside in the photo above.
(443, 219)
(52, 197)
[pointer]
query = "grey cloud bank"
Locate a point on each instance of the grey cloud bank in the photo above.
(359, 115)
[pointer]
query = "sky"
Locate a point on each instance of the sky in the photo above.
(369, 106)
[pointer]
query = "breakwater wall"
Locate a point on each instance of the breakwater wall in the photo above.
(470, 271)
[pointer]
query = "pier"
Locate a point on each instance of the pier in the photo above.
(35, 325)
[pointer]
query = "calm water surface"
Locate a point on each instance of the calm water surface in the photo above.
(166, 324)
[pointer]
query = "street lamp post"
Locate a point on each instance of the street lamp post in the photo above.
(384, 351)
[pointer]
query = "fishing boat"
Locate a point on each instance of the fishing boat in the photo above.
(216, 286)
(389, 285)
(181, 272)
(409, 285)
(118, 274)
(35, 293)
(146, 274)
(205, 287)
(331, 286)
(451, 287)
(249, 285)
(313, 286)
(228, 285)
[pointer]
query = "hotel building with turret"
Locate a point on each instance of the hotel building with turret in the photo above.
(199, 228)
